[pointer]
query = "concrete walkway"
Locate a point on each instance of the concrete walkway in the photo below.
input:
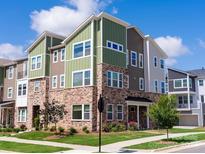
(114, 148)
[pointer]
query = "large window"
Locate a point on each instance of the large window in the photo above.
(36, 62)
(22, 89)
(133, 58)
(141, 83)
(162, 87)
(81, 112)
(162, 63)
(54, 81)
(37, 86)
(22, 114)
(10, 92)
(141, 61)
(114, 79)
(63, 54)
(119, 112)
(180, 83)
(183, 101)
(201, 82)
(10, 72)
(109, 112)
(55, 56)
(81, 49)
(81, 78)
(62, 80)
(114, 46)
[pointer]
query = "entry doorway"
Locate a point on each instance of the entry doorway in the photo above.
(36, 112)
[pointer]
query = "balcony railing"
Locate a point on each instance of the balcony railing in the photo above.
(183, 106)
(22, 74)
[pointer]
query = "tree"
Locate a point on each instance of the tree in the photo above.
(53, 112)
(164, 113)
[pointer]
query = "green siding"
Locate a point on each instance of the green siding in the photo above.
(47, 65)
(1, 76)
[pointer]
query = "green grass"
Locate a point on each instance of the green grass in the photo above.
(88, 139)
(183, 130)
(29, 148)
(172, 141)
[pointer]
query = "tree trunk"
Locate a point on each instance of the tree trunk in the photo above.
(167, 134)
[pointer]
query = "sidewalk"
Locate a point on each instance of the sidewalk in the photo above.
(114, 147)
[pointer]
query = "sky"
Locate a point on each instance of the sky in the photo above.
(177, 25)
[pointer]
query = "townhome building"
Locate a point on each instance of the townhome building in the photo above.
(104, 56)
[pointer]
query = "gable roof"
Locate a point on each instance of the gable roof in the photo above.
(181, 71)
(4, 62)
(198, 72)
(137, 30)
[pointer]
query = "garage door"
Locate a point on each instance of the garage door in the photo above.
(188, 120)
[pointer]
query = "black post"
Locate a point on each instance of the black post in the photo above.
(100, 127)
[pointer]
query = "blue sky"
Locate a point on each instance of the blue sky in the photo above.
(178, 24)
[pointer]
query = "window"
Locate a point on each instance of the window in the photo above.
(115, 46)
(202, 98)
(180, 99)
(22, 89)
(36, 62)
(10, 72)
(63, 54)
(54, 81)
(162, 87)
(22, 114)
(55, 56)
(109, 112)
(141, 61)
(191, 99)
(161, 63)
(81, 112)
(185, 98)
(36, 86)
(183, 101)
(181, 83)
(62, 80)
(81, 78)
(81, 49)
(141, 83)
(201, 82)
(155, 61)
(133, 58)
(10, 92)
(184, 82)
(114, 79)
(25, 69)
(119, 112)
(156, 86)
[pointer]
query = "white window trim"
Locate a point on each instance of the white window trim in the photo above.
(202, 82)
(35, 86)
(12, 72)
(181, 82)
(131, 58)
(56, 51)
(83, 83)
(109, 112)
(20, 119)
(118, 81)
(83, 49)
(55, 76)
(154, 61)
(141, 79)
(141, 55)
(36, 63)
(62, 54)
(10, 88)
(63, 81)
(120, 112)
(118, 44)
(82, 107)
(21, 89)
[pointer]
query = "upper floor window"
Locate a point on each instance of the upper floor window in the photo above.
(25, 69)
(81, 49)
(155, 61)
(81, 78)
(10, 92)
(162, 87)
(55, 56)
(114, 79)
(201, 82)
(180, 83)
(156, 86)
(37, 85)
(63, 54)
(62, 80)
(162, 63)
(81, 112)
(36, 62)
(10, 72)
(114, 46)
(133, 58)
(141, 61)
(54, 81)
(22, 88)
(190, 82)
(141, 83)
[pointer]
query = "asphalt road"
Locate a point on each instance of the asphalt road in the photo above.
(196, 149)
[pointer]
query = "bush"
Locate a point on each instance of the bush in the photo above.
(114, 127)
(37, 123)
(105, 128)
(16, 130)
(46, 129)
(85, 130)
(72, 131)
(23, 127)
(132, 126)
(53, 128)
(61, 130)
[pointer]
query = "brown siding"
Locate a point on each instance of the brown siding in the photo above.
(134, 43)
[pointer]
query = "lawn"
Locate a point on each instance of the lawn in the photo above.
(87, 139)
(29, 148)
(170, 142)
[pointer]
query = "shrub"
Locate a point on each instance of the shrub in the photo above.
(85, 130)
(46, 129)
(53, 128)
(121, 127)
(114, 127)
(37, 123)
(16, 130)
(8, 129)
(132, 126)
(23, 127)
(61, 130)
(72, 131)
(105, 128)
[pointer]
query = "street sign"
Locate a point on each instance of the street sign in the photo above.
(100, 104)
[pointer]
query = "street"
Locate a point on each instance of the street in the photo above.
(196, 149)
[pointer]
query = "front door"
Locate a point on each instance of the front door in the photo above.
(132, 110)
(36, 110)
(143, 117)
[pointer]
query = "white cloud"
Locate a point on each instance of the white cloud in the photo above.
(63, 19)
(173, 46)
(114, 10)
(201, 43)
(10, 51)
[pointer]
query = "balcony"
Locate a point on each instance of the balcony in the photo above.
(22, 74)
(182, 106)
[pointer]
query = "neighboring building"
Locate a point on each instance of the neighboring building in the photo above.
(103, 56)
